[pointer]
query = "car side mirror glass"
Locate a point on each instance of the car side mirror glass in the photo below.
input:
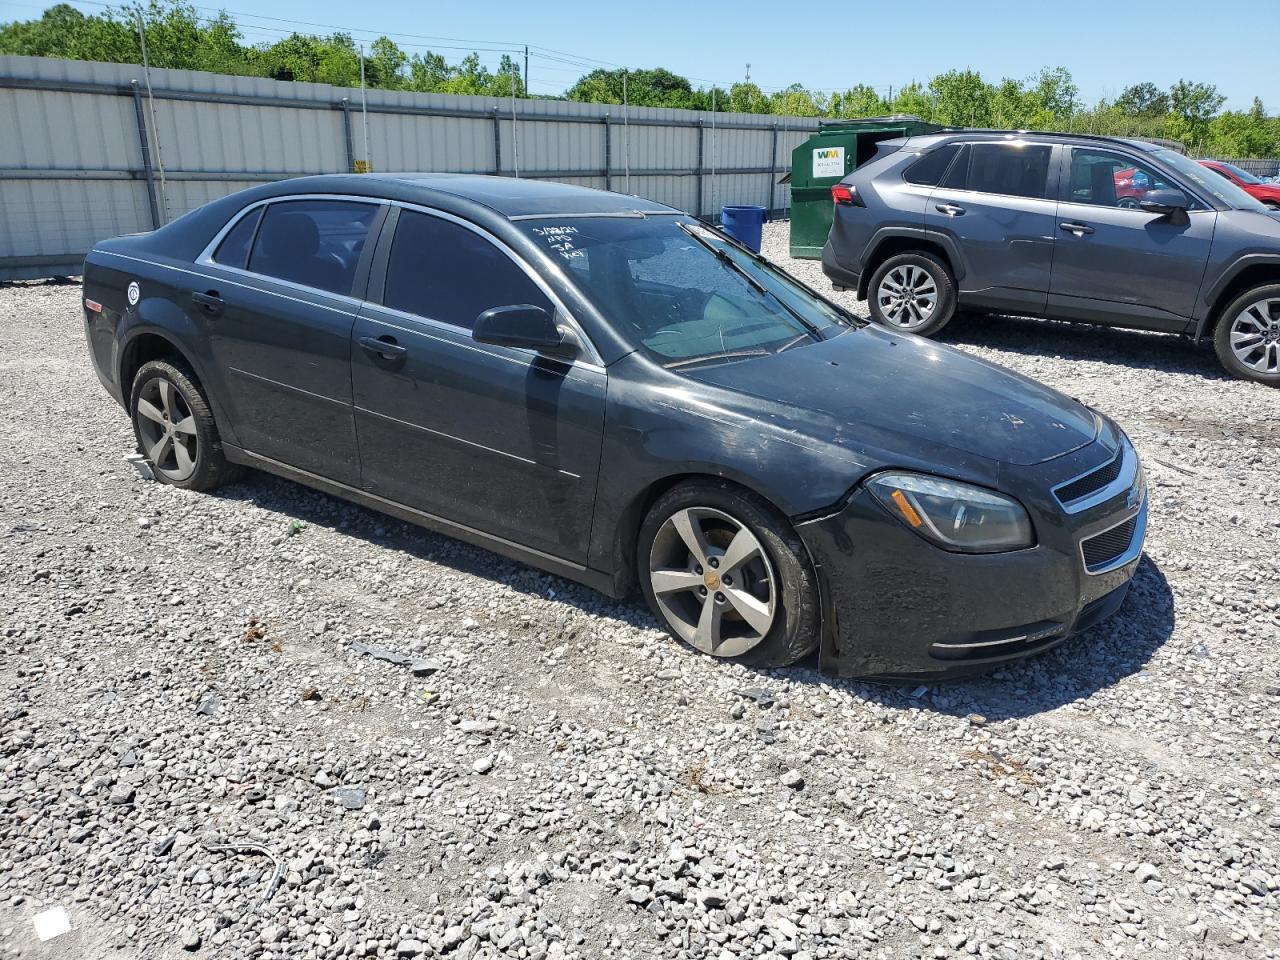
(519, 325)
(1165, 202)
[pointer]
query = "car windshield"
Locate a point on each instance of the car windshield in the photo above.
(1244, 176)
(682, 291)
(1204, 178)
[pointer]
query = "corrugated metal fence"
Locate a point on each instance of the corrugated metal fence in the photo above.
(87, 152)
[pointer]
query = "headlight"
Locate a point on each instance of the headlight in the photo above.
(955, 516)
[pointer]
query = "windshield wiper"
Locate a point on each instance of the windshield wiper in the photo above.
(727, 259)
(710, 357)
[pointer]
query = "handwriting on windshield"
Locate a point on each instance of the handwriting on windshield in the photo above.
(561, 240)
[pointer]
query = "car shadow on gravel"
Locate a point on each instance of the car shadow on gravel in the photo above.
(1084, 341)
(1118, 648)
(1114, 650)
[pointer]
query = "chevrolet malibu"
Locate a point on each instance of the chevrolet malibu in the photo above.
(605, 388)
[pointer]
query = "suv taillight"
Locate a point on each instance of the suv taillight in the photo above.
(844, 195)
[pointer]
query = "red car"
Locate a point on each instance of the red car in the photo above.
(1268, 193)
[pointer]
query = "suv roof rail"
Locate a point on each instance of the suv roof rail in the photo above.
(1100, 137)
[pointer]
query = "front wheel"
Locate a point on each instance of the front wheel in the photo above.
(1247, 337)
(727, 575)
(175, 428)
(912, 292)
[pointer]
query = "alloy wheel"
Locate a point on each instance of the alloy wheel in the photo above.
(167, 430)
(713, 581)
(1255, 336)
(907, 296)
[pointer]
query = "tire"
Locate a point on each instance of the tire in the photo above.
(175, 428)
(777, 579)
(1252, 321)
(933, 286)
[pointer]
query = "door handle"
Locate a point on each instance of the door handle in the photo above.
(384, 347)
(209, 302)
(1079, 229)
(950, 209)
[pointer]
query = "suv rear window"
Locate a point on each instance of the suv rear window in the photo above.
(1009, 169)
(928, 170)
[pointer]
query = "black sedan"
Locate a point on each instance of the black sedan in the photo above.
(605, 388)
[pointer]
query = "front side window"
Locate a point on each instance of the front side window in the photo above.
(443, 271)
(316, 243)
(1105, 179)
(681, 292)
(233, 251)
(1011, 168)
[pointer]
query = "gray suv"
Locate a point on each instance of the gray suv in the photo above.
(1071, 227)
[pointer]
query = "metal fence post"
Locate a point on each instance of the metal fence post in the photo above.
(346, 127)
(497, 144)
(697, 210)
(145, 143)
(608, 154)
(773, 174)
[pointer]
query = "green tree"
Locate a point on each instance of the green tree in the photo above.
(962, 98)
(1143, 100)
(748, 98)
(796, 101)
(858, 101)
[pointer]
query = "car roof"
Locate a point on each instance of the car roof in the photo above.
(510, 197)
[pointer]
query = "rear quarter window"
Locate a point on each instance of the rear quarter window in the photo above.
(929, 168)
(234, 249)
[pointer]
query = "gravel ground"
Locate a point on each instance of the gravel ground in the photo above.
(188, 703)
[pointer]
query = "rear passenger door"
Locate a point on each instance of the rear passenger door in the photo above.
(277, 305)
(998, 204)
(499, 439)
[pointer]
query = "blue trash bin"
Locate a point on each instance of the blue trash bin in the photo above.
(743, 223)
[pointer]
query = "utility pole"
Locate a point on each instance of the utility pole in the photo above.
(526, 70)
(364, 111)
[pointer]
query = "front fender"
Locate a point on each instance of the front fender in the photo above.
(1213, 291)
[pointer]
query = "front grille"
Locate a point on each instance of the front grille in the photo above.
(1081, 487)
(1109, 545)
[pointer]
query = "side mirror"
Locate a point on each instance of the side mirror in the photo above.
(520, 325)
(1166, 203)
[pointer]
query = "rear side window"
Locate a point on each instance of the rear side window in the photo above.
(316, 243)
(1009, 169)
(234, 249)
(446, 272)
(928, 170)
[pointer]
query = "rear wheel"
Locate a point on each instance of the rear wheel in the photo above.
(727, 575)
(175, 428)
(912, 292)
(1247, 337)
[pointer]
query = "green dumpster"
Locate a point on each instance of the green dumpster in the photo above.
(838, 148)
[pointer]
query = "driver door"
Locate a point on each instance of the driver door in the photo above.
(500, 439)
(1116, 263)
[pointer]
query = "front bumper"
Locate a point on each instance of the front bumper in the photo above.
(897, 607)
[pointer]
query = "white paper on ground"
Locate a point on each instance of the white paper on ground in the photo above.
(52, 923)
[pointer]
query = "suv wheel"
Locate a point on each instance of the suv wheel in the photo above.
(912, 292)
(1247, 337)
(726, 574)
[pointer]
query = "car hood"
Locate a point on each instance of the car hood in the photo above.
(915, 389)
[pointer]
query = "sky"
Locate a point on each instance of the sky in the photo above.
(1106, 44)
